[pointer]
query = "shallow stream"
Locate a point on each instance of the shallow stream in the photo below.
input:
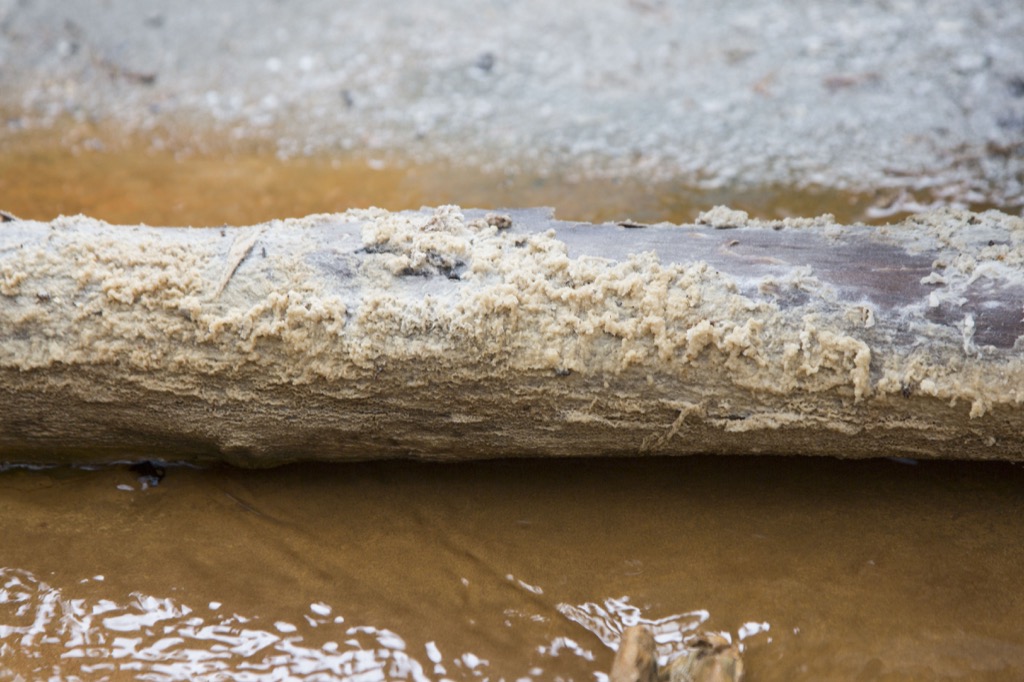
(822, 569)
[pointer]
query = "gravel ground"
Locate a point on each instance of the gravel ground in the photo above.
(926, 96)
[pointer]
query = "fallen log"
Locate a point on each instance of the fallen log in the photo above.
(451, 334)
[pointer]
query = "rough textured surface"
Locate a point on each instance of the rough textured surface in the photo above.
(922, 100)
(450, 334)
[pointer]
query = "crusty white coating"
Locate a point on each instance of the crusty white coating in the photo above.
(436, 334)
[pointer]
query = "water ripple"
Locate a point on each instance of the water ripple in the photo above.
(45, 633)
(607, 620)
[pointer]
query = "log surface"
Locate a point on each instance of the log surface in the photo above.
(448, 334)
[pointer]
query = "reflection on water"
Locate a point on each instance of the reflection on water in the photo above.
(820, 569)
(609, 619)
(43, 632)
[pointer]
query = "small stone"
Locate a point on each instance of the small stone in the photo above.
(485, 62)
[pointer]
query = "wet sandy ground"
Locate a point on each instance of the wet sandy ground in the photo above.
(923, 99)
(823, 569)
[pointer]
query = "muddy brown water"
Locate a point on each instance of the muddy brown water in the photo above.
(822, 569)
(90, 169)
(512, 570)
